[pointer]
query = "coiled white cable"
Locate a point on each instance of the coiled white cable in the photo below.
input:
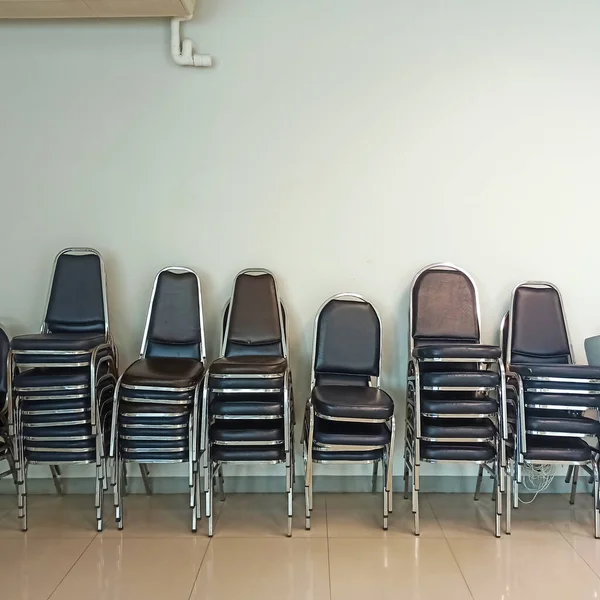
(537, 479)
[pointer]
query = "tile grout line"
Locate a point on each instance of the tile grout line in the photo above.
(578, 554)
(94, 538)
(210, 541)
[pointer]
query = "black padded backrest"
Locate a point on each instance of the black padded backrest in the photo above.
(76, 303)
(444, 305)
(175, 328)
(539, 332)
(4, 348)
(348, 343)
(254, 324)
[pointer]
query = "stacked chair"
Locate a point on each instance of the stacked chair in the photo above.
(348, 418)
(456, 401)
(549, 393)
(6, 446)
(248, 408)
(156, 412)
(60, 381)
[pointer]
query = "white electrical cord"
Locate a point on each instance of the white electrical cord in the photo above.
(537, 479)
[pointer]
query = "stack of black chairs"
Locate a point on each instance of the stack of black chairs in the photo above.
(6, 446)
(60, 381)
(156, 413)
(348, 418)
(456, 401)
(550, 393)
(249, 416)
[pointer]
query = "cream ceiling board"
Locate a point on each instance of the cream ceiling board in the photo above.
(49, 9)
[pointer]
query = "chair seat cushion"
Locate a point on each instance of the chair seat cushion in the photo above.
(457, 452)
(51, 378)
(86, 444)
(59, 456)
(249, 365)
(163, 372)
(466, 351)
(471, 379)
(352, 402)
(152, 445)
(561, 449)
(235, 407)
(569, 401)
(562, 424)
(57, 341)
(246, 431)
(561, 371)
(247, 453)
(152, 434)
(150, 456)
(457, 428)
(39, 406)
(58, 432)
(347, 455)
(342, 433)
(81, 417)
(152, 410)
(161, 417)
(447, 404)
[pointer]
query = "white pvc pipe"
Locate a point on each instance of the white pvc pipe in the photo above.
(182, 51)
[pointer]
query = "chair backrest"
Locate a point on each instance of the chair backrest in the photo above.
(347, 342)
(254, 320)
(444, 307)
(4, 349)
(77, 296)
(175, 323)
(537, 330)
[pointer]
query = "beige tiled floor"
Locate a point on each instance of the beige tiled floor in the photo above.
(551, 554)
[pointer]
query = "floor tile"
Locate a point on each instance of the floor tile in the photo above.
(360, 515)
(132, 569)
(255, 569)
(70, 516)
(159, 515)
(589, 550)
(521, 569)
(32, 568)
(394, 568)
(265, 515)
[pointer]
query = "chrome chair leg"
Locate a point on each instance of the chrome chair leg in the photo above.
(405, 479)
(569, 473)
(209, 499)
(146, 478)
(56, 480)
(221, 484)
(374, 478)
(574, 483)
(596, 500)
(509, 487)
(478, 484)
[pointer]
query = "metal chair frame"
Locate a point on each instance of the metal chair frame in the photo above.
(212, 467)
(308, 444)
(496, 467)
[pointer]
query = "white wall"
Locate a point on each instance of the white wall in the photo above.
(342, 144)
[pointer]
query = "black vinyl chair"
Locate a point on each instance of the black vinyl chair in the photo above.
(156, 412)
(456, 402)
(348, 418)
(6, 446)
(549, 393)
(60, 381)
(248, 407)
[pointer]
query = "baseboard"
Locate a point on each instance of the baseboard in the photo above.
(269, 484)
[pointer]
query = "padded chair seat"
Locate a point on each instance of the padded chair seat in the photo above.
(163, 372)
(234, 407)
(438, 404)
(57, 341)
(563, 371)
(48, 419)
(246, 431)
(572, 401)
(347, 455)
(155, 397)
(341, 433)
(457, 428)
(462, 452)
(563, 424)
(249, 365)
(561, 449)
(484, 379)
(56, 432)
(247, 453)
(151, 445)
(352, 402)
(62, 444)
(143, 433)
(52, 405)
(467, 351)
(154, 456)
(152, 409)
(154, 419)
(58, 456)
(49, 378)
